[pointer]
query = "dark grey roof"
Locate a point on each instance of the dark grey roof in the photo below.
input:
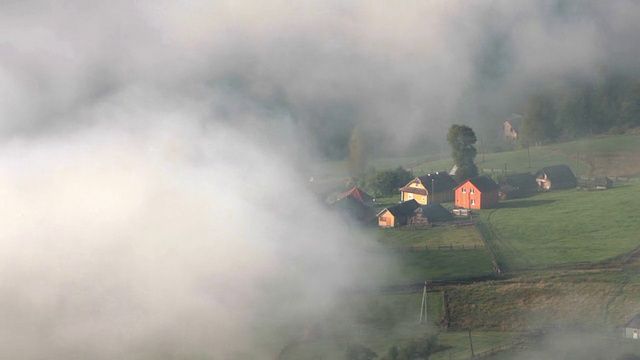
(405, 208)
(634, 323)
(434, 212)
(521, 181)
(559, 174)
(351, 206)
(483, 183)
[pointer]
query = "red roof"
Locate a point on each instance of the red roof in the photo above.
(358, 194)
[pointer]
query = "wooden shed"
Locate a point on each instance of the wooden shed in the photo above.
(358, 194)
(428, 214)
(430, 188)
(518, 185)
(353, 211)
(397, 215)
(480, 192)
(556, 177)
(632, 327)
(603, 183)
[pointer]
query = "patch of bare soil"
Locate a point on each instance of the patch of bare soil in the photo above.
(622, 164)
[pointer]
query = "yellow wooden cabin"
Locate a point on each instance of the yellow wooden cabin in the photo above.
(430, 188)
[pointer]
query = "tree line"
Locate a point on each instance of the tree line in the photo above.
(573, 109)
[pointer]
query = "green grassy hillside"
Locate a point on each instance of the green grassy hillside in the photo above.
(564, 226)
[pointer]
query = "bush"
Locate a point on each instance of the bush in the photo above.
(387, 182)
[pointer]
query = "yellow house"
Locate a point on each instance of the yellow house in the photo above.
(430, 188)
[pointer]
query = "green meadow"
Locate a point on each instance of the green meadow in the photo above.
(564, 226)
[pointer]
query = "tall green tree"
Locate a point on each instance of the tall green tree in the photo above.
(462, 140)
(387, 182)
(538, 124)
(358, 153)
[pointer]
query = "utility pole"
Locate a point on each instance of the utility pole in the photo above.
(529, 155)
(577, 172)
(471, 343)
(423, 307)
(433, 190)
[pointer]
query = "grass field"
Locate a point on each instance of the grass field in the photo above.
(418, 266)
(564, 226)
(459, 345)
(432, 238)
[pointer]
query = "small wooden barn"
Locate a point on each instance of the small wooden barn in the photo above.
(397, 215)
(556, 177)
(353, 211)
(518, 185)
(358, 194)
(428, 214)
(602, 183)
(632, 327)
(430, 188)
(480, 192)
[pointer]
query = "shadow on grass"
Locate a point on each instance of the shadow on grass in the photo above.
(524, 204)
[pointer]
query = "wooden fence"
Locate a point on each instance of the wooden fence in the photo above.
(444, 247)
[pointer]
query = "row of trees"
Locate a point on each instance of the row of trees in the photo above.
(608, 105)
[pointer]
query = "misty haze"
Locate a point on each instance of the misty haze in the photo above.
(319, 179)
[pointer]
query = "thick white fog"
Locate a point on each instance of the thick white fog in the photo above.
(119, 244)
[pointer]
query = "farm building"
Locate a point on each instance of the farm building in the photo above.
(428, 214)
(397, 215)
(518, 185)
(353, 211)
(632, 327)
(430, 188)
(602, 183)
(480, 192)
(511, 127)
(556, 177)
(359, 195)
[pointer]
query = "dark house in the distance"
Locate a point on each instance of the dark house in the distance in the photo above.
(353, 211)
(602, 183)
(632, 327)
(428, 214)
(556, 177)
(359, 194)
(518, 185)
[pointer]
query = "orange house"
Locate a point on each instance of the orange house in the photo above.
(480, 192)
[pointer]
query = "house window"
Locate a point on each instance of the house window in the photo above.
(471, 191)
(464, 191)
(409, 196)
(424, 198)
(473, 201)
(383, 219)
